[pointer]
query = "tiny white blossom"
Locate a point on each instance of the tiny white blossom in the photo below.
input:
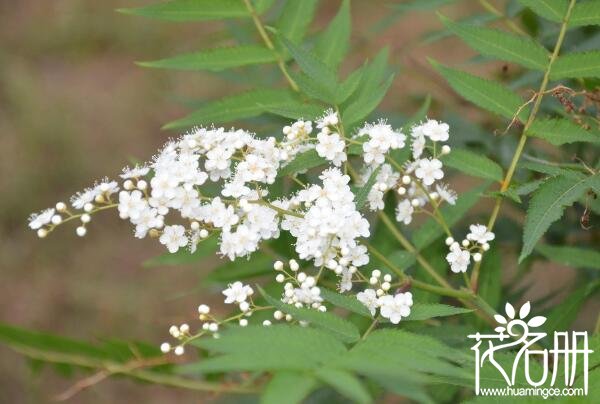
(395, 307)
(458, 259)
(429, 170)
(38, 220)
(480, 234)
(174, 237)
(237, 292)
(369, 298)
(436, 131)
(446, 193)
(404, 212)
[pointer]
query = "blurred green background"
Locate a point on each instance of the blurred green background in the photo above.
(74, 108)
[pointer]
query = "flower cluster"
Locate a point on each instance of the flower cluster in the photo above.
(392, 307)
(299, 289)
(417, 182)
(213, 182)
(381, 139)
(473, 246)
(331, 145)
(235, 293)
(329, 225)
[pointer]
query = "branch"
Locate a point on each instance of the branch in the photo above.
(523, 139)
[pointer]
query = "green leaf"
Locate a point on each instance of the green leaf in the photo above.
(431, 230)
(561, 316)
(421, 5)
(560, 131)
(553, 10)
(183, 256)
(385, 352)
(362, 192)
(191, 10)
(262, 5)
(288, 387)
(419, 115)
(301, 162)
(501, 45)
(347, 302)
(490, 278)
(575, 257)
(340, 328)
(278, 347)
(217, 59)
(334, 42)
(313, 89)
(349, 86)
(346, 384)
(576, 65)
(473, 164)
(487, 94)
(425, 311)
(585, 13)
(58, 349)
(366, 103)
(295, 18)
(21, 337)
(258, 264)
(297, 110)
(310, 64)
(548, 204)
(375, 73)
(239, 106)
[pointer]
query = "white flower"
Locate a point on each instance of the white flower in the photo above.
(173, 237)
(369, 298)
(395, 307)
(239, 243)
(382, 138)
(429, 170)
(330, 118)
(163, 185)
(106, 187)
(446, 193)
(418, 146)
(331, 147)
(38, 220)
(480, 234)
(404, 212)
(237, 293)
(137, 171)
(80, 199)
(346, 281)
(131, 204)
(436, 131)
(458, 259)
(146, 220)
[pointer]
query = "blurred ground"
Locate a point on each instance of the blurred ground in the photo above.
(73, 108)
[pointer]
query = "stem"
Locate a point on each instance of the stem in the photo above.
(439, 290)
(437, 215)
(269, 44)
(523, 139)
(371, 328)
(126, 369)
(277, 208)
(492, 9)
(410, 248)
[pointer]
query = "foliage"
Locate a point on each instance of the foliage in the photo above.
(341, 351)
